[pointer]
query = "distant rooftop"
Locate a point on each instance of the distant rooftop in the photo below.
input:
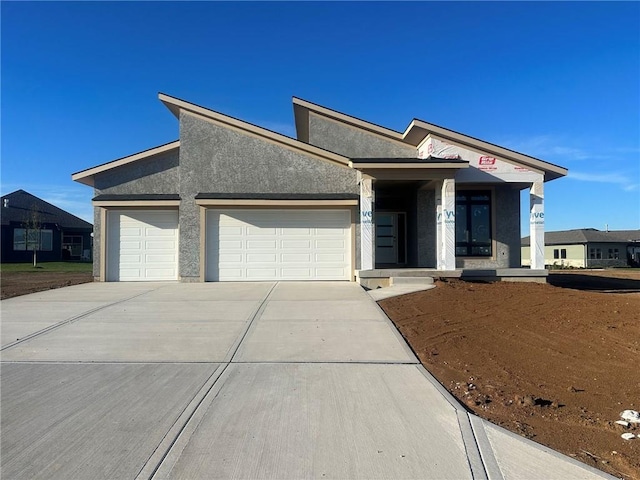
(588, 235)
(20, 203)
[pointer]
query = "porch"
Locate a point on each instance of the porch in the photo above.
(385, 277)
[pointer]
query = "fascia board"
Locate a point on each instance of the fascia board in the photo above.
(86, 176)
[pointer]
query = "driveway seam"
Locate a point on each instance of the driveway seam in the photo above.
(179, 434)
(71, 320)
(486, 451)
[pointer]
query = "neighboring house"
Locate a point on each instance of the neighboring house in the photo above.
(589, 248)
(233, 201)
(60, 236)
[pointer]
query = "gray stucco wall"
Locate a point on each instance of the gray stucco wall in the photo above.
(426, 200)
(506, 201)
(157, 174)
(214, 159)
(97, 229)
(352, 142)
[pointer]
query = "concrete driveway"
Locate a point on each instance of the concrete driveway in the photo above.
(234, 380)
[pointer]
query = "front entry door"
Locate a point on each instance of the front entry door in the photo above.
(389, 234)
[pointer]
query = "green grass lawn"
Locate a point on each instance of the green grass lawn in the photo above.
(57, 267)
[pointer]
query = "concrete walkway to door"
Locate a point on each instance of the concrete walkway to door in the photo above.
(234, 380)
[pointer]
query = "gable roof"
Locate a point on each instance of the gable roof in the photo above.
(20, 204)
(416, 132)
(587, 235)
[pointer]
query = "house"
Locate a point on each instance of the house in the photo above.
(28, 222)
(345, 200)
(588, 248)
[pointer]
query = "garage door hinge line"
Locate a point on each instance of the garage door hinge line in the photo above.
(69, 320)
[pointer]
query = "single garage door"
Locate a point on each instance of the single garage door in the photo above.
(248, 245)
(142, 245)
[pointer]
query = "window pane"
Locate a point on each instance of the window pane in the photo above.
(480, 231)
(461, 223)
(555, 253)
(32, 239)
(46, 240)
(480, 197)
(19, 242)
(563, 253)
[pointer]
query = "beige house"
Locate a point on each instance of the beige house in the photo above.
(588, 248)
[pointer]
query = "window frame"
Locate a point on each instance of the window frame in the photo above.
(469, 203)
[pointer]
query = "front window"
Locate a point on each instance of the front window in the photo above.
(24, 239)
(595, 253)
(72, 244)
(614, 254)
(473, 223)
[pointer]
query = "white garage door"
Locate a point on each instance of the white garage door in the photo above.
(247, 245)
(142, 245)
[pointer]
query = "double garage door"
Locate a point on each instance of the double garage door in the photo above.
(240, 245)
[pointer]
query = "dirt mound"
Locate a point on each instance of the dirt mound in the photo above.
(553, 364)
(22, 283)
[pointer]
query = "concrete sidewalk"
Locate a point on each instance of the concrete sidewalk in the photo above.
(222, 380)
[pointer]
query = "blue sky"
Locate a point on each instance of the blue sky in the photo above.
(556, 80)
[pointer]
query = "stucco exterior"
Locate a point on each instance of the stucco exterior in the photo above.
(219, 157)
(154, 175)
(352, 142)
(214, 159)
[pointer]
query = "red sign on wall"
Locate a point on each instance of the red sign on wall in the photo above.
(484, 160)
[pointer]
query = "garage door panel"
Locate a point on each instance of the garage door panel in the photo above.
(293, 244)
(260, 231)
(267, 245)
(164, 245)
(295, 257)
(278, 245)
(333, 243)
(262, 258)
(330, 258)
(142, 245)
(257, 273)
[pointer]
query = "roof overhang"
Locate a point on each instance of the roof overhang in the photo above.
(87, 176)
(417, 132)
(430, 168)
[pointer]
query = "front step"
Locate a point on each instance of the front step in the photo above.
(411, 280)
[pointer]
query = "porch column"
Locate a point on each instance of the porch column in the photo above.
(536, 224)
(367, 226)
(446, 226)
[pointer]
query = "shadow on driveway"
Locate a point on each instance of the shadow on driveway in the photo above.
(594, 283)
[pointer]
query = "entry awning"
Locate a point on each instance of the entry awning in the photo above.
(409, 168)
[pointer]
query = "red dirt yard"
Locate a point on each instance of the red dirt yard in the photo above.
(556, 363)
